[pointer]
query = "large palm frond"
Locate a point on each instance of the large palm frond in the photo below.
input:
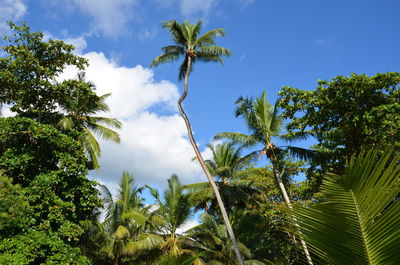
(103, 131)
(177, 32)
(244, 139)
(356, 220)
(208, 37)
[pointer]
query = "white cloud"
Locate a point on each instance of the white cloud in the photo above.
(246, 3)
(79, 42)
(110, 17)
(153, 145)
(10, 10)
(196, 7)
(153, 148)
(325, 42)
(147, 33)
(6, 112)
(133, 89)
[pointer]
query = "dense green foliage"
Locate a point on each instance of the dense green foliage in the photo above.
(345, 116)
(49, 170)
(28, 71)
(46, 192)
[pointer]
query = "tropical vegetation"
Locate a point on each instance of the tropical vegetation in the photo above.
(250, 211)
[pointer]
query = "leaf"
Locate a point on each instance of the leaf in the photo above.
(357, 217)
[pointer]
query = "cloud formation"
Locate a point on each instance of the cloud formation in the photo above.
(110, 17)
(10, 10)
(195, 7)
(153, 138)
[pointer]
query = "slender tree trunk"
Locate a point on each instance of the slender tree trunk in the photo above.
(204, 167)
(287, 200)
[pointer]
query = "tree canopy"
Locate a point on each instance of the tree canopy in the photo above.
(345, 115)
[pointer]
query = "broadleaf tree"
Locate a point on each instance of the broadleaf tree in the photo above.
(344, 115)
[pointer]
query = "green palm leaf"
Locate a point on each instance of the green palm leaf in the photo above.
(165, 58)
(208, 37)
(357, 219)
(244, 139)
(104, 132)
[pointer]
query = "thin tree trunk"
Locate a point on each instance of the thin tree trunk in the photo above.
(287, 200)
(204, 167)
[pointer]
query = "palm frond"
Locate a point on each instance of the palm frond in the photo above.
(357, 217)
(195, 31)
(244, 139)
(66, 123)
(177, 31)
(136, 217)
(165, 58)
(302, 153)
(296, 136)
(173, 49)
(215, 51)
(205, 57)
(208, 37)
(108, 200)
(193, 187)
(104, 132)
(122, 232)
(145, 242)
(111, 122)
(276, 120)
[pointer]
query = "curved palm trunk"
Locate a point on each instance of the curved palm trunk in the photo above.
(287, 200)
(203, 165)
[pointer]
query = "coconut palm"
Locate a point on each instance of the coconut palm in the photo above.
(265, 123)
(174, 210)
(126, 219)
(226, 165)
(80, 106)
(192, 47)
(356, 218)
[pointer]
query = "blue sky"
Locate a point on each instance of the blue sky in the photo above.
(274, 44)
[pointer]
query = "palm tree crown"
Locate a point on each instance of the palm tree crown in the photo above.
(188, 43)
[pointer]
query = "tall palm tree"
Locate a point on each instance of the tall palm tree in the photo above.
(80, 106)
(356, 218)
(265, 123)
(193, 47)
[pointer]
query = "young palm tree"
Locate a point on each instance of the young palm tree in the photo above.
(125, 221)
(192, 47)
(226, 165)
(174, 211)
(80, 106)
(265, 123)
